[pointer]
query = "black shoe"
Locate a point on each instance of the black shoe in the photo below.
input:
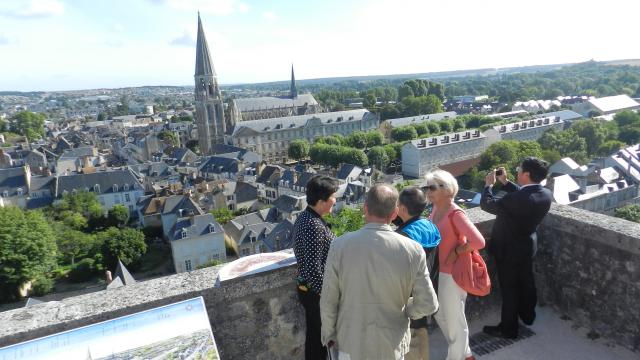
(528, 320)
(497, 332)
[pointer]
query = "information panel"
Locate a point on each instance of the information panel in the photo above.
(177, 331)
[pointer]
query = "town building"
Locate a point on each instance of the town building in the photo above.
(271, 137)
(524, 130)
(210, 119)
(196, 241)
(422, 155)
(388, 125)
(605, 105)
(112, 187)
(267, 107)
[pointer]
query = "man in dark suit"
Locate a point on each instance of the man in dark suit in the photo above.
(513, 240)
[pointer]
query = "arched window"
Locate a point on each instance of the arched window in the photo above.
(115, 187)
(19, 190)
(126, 187)
(5, 193)
(96, 189)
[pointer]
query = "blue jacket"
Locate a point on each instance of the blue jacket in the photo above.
(422, 231)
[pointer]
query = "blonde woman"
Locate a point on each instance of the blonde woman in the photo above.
(453, 224)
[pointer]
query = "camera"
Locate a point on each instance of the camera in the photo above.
(499, 172)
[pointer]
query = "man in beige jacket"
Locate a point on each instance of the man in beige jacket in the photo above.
(369, 278)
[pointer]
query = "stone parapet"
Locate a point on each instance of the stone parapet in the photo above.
(587, 268)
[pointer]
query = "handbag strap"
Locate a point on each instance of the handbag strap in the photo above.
(455, 229)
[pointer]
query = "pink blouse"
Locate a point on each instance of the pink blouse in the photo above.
(449, 240)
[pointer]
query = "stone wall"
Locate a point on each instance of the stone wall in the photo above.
(587, 268)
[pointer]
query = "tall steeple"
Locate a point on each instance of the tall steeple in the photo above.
(294, 90)
(209, 109)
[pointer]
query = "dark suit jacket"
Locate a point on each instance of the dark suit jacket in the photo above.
(518, 215)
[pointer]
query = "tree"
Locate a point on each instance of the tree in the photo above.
(593, 132)
(73, 244)
(222, 215)
(169, 138)
(28, 124)
(27, 249)
(125, 244)
(433, 127)
(567, 143)
(389, 111)
(346, 220)
(404, 133)
(355, 157)
(81, 202)
(404, 91)
(610, 147)
(629, 212)
(378, 157)
(630, 134)
(421, 129)
(369, 101)
(374, 138)
(357, 140)
(117, 216)
(101, 117)
(298, 149)
(627, 117)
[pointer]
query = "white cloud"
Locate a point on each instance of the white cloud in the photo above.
(118, 27)
(4, 40)
(213, 7)
(269, 15)
(187, 38)
(36, 9)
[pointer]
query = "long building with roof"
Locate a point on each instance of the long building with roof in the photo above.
(271, 137)
(422, 155)
(267, 107)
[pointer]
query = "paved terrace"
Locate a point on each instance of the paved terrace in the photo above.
(587, 269)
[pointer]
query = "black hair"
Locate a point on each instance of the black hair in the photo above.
(537, 168)
(320, 187)
(413, 199)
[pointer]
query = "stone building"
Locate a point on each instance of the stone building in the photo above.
(271, 137)
(208, 99)
(421, 155)
(524, 130)
(268, 107)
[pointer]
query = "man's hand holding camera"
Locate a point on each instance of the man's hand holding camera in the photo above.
(500, 174)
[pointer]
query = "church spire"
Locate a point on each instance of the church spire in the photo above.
(204, 66)
(294, 90)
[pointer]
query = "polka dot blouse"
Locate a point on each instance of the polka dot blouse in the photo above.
(312, 237)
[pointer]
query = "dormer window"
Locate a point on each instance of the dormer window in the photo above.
(126, 187)
(184, 233)
(115, 187)
(5, 193)
(20, 191)
(96, 189)
(212, 228)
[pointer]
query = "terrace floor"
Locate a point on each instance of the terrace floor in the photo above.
(549, 338)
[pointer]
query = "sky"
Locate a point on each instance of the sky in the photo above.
(49, 45)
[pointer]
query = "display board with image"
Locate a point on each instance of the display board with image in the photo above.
(176, 331)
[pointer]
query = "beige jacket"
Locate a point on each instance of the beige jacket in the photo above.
(365, 305)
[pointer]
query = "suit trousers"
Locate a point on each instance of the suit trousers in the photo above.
(451, 319)
(518, 291)
(313, 349)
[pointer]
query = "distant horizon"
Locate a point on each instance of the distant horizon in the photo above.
(329, 77)
(65, 45)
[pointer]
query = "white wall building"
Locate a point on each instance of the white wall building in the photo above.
(271, 137)
(421, 155)
(197, 241)
(524, 130)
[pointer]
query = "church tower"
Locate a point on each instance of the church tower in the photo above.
(209, 108)
(294, 90)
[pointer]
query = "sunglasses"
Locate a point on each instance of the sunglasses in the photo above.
(433, 187)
